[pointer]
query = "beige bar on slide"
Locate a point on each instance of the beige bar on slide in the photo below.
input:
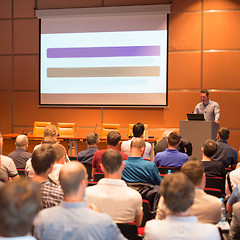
(104, 72)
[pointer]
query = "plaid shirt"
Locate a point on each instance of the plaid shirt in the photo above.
(51, 194)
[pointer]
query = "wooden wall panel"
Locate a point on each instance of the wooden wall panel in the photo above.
(6, 72)
(26, 72)
(186, 5)
(6, 37)
(23, 8)
(5, 8)
(221, 4)
(6, 112)
(185, 31)
(26, 36)
(221, 70)
(46, 4)
(221, 30)
(234, 140)
(180, 74)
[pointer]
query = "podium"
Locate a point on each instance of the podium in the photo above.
(197, 132)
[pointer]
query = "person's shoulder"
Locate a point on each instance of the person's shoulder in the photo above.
(212, 200)
(6, 159)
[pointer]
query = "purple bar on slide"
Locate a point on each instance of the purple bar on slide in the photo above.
(134, 51)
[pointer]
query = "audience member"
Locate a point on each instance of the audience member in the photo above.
(208, 108)
(42, 161)
(86, 156)
(19, 203)
(178, 196)
(212, 168)
(113, 139)
(72, 219)
(171, 157)
(206, 208)
(112, 195)
(138, 130)
(233, 178)
(20, 155)
(234, 232)
(142, 175)
(235, 197)
(8, 168)
(225, 153)
(184, 146)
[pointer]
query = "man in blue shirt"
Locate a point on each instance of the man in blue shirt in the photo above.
(73, 219)
(171, 157)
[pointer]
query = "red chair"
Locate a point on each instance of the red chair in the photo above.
(21, 172)
(216, 182)
(147, 214)
(214, 191)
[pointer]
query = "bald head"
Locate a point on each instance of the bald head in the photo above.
(71, 176)
(137, 147)
(21, 141)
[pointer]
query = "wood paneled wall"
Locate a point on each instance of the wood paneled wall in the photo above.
(204, 52)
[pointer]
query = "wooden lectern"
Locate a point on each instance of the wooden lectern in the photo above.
(197, 132)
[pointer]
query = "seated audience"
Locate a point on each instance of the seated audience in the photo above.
(178, 196)
(225, 153)
(234, 179)
(86, 156)
(206, 208)
(113, 139)
(212, 168)
(171, 157)
(235, 197)
(72, 219)
(8, 168)
(138, 130)
(43, 159)
(20, 155)
(19, 203)
(184, 146)
(112, 195)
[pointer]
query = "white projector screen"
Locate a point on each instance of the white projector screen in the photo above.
(114, 59)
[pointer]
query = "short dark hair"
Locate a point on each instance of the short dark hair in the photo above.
(223, 133)
(138, 143)
(71, 176)
(138, 129)
(113, 138)
(177, 191)
(19, 203)
(209, 148)
(205, 91)
(59, 150)
(92, 138)
(194, 170)
(42, 158)
(111, 160)
(173, 139)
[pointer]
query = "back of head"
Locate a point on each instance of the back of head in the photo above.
(137, 143)
(138, 130)
(113, 138)
(50, 131)
(209, 148)
(49, 140)
(194, 170)
(111, 160)
(178, 192)
(70, 177)
(42, 158)
(60, 151)
(223, 133)
(21, 141)
(19, 203)
(173, 139)
(92, 138)
(205, 91)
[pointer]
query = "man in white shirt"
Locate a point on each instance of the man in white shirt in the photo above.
(138, 130)
(112, 195)
(178, 194)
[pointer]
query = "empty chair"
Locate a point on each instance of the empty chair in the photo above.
(66, 129)
(108, 127)
(38, 128)
(216, 182)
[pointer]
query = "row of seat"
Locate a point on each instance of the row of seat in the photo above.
(69, 129)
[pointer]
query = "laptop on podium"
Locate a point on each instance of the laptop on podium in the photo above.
(195, 117)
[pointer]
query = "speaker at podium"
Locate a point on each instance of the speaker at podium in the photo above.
(197, 132)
